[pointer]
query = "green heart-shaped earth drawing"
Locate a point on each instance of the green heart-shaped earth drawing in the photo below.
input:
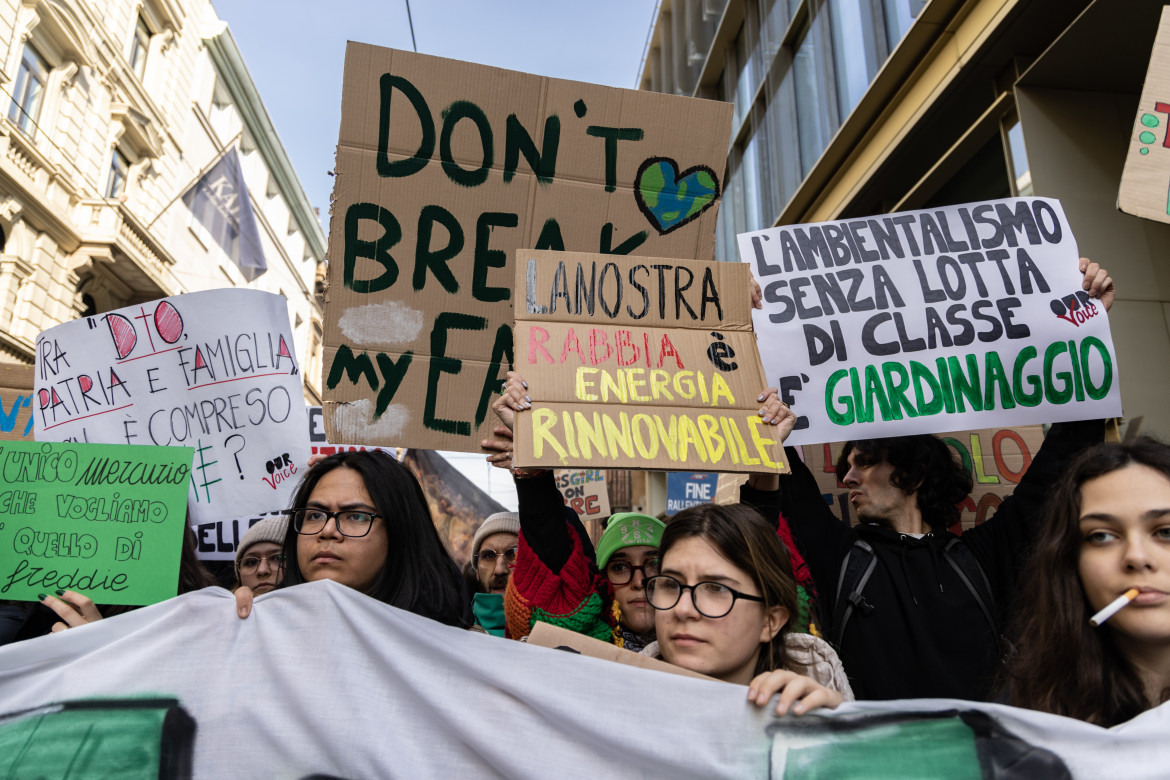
(670, 199)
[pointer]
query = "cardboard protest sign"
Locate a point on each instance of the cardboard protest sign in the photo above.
(444, 169)
(687, 489)
(104, 520)
(586, 492)
(962, 317)
(996, 459)
(212, 370)
(1145, 180)
(319, 443)
(16, 396)
(639, 362)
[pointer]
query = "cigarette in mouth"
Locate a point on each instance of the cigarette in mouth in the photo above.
(1114, 607)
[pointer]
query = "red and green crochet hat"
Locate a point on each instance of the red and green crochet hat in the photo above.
(628, 529)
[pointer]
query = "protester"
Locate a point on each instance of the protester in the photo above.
(914, 610)
(723, 601)
(260, 557)
(556, 577)
(1106, 531)
(493, 550)
(493, 554)
(361, 519)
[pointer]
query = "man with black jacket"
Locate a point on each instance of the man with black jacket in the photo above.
(921, 615)
(914, 610)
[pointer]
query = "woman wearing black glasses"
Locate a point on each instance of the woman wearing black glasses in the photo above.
(361, 519)
(723, 600)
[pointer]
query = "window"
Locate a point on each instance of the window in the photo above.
(29, 91)
(816, 104)
(139, 48)
(900, 14)
(1021, 173)
(119, 172)
(859, 48)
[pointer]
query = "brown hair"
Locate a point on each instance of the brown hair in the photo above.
(1062, 665)
(745, 539)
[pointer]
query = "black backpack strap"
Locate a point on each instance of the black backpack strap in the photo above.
(962, 560)
(856, 568)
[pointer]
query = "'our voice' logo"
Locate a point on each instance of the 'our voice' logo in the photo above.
(1075, 308)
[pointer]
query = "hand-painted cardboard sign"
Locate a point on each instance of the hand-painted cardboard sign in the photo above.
(1145, 180)
(16, 402)
(212, 370)
(996, 459)
(639, 362)
(956, 318)
(690, 488)
(585, 491)
(445, 169)
(104, 520)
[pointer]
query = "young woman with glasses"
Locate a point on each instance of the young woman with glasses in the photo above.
(260, 555)
(724, 597)
(361, 519)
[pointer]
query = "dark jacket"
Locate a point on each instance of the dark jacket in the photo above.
(925, 635)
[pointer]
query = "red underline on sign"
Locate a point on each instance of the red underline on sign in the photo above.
(152, 354)
(237, 379)
(95, 414)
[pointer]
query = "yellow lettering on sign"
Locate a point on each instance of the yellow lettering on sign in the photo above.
(762, 442)
(543, 422)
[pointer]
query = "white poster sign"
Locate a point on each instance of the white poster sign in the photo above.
(957, 318)
(212, 370)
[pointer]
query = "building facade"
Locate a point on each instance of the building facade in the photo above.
(112, 110)
(847, 108)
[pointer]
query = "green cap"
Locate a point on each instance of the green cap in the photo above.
(628, 529)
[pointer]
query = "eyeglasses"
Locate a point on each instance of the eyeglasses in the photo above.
(621, 572)
(349, 522)
(489, 557)
(711, 599)
(252, 562)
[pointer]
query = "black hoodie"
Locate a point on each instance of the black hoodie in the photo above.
(925, 635)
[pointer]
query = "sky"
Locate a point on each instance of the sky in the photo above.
(295, 52)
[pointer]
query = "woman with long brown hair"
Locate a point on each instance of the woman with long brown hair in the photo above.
(723, 600)
(1105, 540)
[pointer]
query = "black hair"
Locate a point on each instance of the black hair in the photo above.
(419, 574)
(923, 465)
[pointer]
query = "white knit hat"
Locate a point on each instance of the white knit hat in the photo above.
(270, 529)
(499, 523)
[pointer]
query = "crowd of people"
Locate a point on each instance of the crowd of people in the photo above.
(1060, 602)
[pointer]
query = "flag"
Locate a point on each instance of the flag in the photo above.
(219, 201)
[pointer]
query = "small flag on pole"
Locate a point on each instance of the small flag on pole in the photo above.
(220, 202)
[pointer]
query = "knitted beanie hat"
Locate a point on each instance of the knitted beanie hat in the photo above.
(270, 529)
(628, 529)
(499, 523)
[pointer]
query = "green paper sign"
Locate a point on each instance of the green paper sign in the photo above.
(105, 520)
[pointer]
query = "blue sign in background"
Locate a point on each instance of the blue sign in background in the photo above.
(688, 488)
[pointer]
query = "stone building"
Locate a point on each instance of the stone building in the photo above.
(112, 109)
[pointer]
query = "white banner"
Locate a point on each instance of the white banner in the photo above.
(957, 318)
(212, 370)
(324, 681)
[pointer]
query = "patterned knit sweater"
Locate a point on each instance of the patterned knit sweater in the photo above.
(556, 581)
